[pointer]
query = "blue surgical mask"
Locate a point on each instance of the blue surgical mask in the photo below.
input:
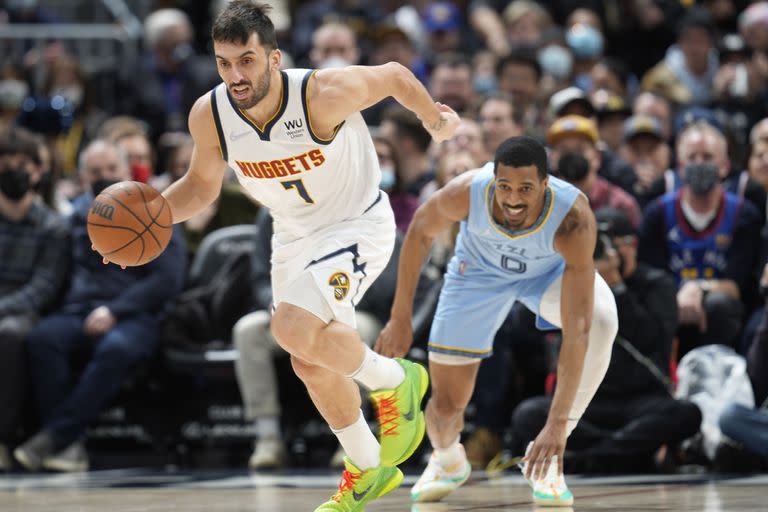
(556, 61)
(387, 178)
(485, 84)
(585, 41)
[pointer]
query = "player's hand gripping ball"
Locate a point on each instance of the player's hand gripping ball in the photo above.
(130, 224)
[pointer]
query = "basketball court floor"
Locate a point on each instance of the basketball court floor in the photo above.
(151, 491)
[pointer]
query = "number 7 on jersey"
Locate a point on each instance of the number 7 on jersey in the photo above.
(299, 186)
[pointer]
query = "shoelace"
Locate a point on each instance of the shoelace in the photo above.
(347, 483)
(388, 415)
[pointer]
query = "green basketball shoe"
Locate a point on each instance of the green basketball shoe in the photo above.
(358, 487)
(401, 420)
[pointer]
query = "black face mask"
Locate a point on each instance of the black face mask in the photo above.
(14, 183)
(573, 167)
(99, 186)
(701, 178)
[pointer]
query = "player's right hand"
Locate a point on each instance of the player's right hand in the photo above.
(444, 128)
(395, 339)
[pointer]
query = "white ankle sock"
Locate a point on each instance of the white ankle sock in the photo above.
(359, 443)
(450, 455)
(268, 427)
(378, 372)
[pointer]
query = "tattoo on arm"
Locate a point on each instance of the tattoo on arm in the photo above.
(437, 125)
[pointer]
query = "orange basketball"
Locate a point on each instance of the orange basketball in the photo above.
(130, 223)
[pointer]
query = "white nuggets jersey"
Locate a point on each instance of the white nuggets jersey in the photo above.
(307, 182)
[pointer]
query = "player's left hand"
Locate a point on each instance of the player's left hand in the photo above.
(550, 441)
(99, 321)
(444, 127)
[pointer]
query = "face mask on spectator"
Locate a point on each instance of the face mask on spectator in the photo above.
(701, 178)
(14, 183)
(334, 62)
(484, 84)
(573, 167)
(585, 41)
(387, 177)
(72, 93)
(556, 61)
(100, 185)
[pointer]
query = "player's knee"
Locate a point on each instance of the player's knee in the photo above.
(292, 332)
(446, 406)
(303, 370)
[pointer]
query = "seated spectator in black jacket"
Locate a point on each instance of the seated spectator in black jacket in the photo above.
(709, 240)
(34, 254)
(109, 313)
(632, 414)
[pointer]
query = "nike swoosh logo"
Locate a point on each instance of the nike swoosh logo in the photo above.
(360, 496)
(409, 415)
(237, 136)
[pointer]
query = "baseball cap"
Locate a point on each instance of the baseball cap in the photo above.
(755, 14)
(441, 16)
(572, 125)
(614, 222)
(613, 105)
(562, 99)
(642, 125)
(695, 114)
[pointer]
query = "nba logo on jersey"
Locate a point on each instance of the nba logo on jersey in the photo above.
(340, 283)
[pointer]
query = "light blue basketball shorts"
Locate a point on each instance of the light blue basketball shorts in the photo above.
(471, 309)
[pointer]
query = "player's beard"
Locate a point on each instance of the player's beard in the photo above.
(260, 90)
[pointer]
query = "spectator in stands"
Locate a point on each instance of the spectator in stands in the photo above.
(404, 205)
(451, 82)
(576, 159)
(136, 145)
(693, 60)
(643, 147)
(334, 45)
(162, 87)
(658, 107)
(519, 75)
(253, 338)
(758, 163)
(611, 114)
(632, 414)
(442, 21)
(610, 75)
(526, 22)
(702, 139)
(708, 239)
(749, 427)
(570, 101)
(112, 314)
(467, 137)
(412, 141)
(34, 244)
(498, 120)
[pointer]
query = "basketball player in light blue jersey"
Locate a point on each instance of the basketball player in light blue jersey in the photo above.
(525, 236)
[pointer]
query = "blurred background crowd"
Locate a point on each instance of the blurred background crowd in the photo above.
(656, 109)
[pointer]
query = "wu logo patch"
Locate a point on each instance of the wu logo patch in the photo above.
(293, 124)
(340, 283)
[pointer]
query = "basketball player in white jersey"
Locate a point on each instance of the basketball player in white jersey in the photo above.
(299, 146)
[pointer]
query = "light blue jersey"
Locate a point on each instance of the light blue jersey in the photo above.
(492, 268)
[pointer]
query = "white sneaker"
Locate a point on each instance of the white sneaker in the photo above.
(71, 459)
(268, 453)
(550, 491)
(438, 482)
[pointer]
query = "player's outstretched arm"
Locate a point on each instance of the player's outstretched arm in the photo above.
(447, 206)
(575, 241)
(201, 185)
(334, 94)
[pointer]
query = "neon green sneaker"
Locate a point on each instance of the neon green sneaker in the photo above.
(358, 487)
(401, 420)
